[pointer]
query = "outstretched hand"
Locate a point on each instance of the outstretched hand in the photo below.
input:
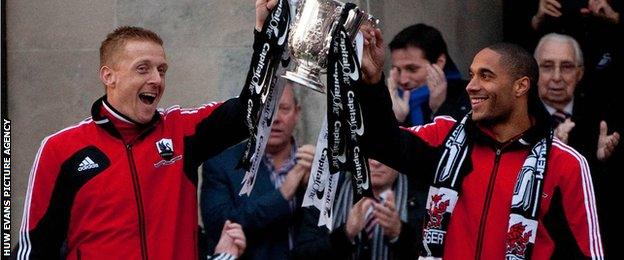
(606, 142)
(563, 130)
(305, 156)
(400, 104)
(373, 57)
(299, 174)
(357, 217)
(263, 8)
(546, 8)
(232, 240)
(601, 9)
(436, 81)
(387, 216)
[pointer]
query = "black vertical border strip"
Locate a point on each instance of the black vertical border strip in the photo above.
(6, 144)
(3, 80)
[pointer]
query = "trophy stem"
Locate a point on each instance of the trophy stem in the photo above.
(306, 76)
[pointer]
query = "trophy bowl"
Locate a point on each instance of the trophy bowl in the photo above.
(310, 36)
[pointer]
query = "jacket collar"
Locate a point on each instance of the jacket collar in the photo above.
(106, 124)
(540, 129)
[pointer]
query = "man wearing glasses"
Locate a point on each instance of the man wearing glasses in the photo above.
(561, 69)
(580, 124)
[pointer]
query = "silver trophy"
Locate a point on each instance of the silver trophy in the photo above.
(310, 37)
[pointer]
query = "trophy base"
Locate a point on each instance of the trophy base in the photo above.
(311, 81)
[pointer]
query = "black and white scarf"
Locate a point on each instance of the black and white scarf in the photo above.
(446, 188)
(264, 89)
(379, 245)
(344, 116)
(338, 147)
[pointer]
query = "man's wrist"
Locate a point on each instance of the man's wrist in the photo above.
(287, 190)
(350, 235)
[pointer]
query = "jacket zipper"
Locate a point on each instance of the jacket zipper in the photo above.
(486, 205)
(139, 201)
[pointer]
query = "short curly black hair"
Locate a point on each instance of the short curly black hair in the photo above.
(422, 36)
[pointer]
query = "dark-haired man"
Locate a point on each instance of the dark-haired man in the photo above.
(424, 81)
(502, 187)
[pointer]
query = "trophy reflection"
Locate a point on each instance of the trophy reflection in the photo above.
(310, 37)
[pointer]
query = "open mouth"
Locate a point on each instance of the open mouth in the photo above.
(477, 100)
(147, 98)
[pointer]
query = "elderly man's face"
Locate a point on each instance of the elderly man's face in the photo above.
(136, 81)
(382, 176)
(285, 119)
(559, 72)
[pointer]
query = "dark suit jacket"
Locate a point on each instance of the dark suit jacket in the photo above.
(605, 175)
(314, 242)
(265, 215)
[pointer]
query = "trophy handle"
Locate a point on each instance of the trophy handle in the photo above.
(355, 19)
(309, 40)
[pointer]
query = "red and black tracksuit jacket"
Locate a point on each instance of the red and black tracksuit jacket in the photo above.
(567, 222)
(94, 195)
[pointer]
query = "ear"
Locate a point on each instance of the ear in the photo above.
(107, 76)
(581, 72)
(521, 86)
(441, 61)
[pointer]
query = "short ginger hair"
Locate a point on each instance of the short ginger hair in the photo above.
(116, 40)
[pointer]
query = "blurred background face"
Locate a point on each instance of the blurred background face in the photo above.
(411, 65)
(382, 176)
(559, 73)
(285, 119)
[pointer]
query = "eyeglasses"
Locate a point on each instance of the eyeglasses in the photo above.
(564, 68)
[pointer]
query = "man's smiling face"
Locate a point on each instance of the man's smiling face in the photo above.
(136, 81)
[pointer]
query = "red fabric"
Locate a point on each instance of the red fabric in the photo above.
(104, 221)
(128, 130)
(566, 170)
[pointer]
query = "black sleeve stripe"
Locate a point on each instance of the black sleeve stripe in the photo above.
(223, 128)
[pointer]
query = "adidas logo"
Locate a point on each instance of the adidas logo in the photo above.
(87, 164)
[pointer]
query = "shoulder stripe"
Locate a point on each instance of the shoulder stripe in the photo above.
(195, 110)
(595, 241)
(187, 110)
(444, 117)
(172, 108)
(417, 128)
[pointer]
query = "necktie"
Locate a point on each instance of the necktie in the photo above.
(367, 234)
(369, 228)
(559, 116)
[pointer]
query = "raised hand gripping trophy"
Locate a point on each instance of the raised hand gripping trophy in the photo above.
(320, 41)
(310, 37)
